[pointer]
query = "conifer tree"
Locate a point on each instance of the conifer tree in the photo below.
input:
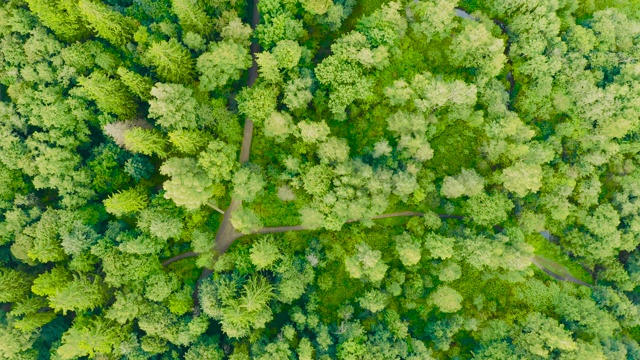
(171, 61)
(192, 16)
(107, 23)
(109, 94)
(126, 202)
(145, 141)
(137, 84)
(61, 16)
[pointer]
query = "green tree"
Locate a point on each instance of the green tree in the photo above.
(189, 185)
(204, 350)
(366, 264)
(109, 94)
(78, 238)
(159, 286)
(446, 299)
(126, 202)
(107, 23)
(488, 210)
(173, 106)
(14, 285)
(62, 16)
(145, 141)
(191, 15)
(137, 84)
(224, 62)
(171, 61)
(264, 253)
(94, 337)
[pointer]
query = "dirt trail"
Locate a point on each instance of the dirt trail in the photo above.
(227, 234)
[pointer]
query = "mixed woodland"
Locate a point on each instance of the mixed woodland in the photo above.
(320, 179)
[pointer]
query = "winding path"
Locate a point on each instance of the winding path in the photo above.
(227, 234)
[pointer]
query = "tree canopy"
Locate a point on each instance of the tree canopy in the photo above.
(319, 179)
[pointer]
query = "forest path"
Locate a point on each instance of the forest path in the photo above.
(227, 234)
(556, 270)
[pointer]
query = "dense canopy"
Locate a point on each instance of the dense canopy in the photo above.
(320, 179)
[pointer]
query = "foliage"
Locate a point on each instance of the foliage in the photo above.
(402, 180)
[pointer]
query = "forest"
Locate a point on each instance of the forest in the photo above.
(320, 179)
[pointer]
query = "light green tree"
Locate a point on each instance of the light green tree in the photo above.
(333, 150)
(126, 202)
(467, 183)
(107, 23)
(96, 337)
(312, 132)
(317, 7)
(366, 264)
(408, 249)
(189, 185)
(446, 299)
(475, 47)
(278, 125)
(540, 335)
(264, 253)
(374, 300)
(224, 62)
(450, 272)
(188, 141)
(245, 221)
(61, 16)
(192, 16)
(78, 295)
(173, 106)
(297, 93)
(247, 184)
(268, 66)
(218, 160)
(145, 141)
(236, 31)
(522, 178)
(258, 102)
(137, 84)
(171, 61)
(287, 53)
